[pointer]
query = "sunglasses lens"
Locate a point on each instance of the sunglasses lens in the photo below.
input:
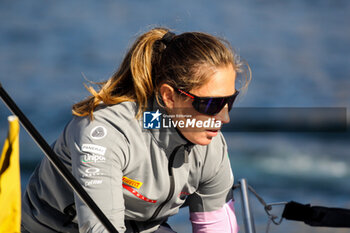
(212, 106)
(231, 100)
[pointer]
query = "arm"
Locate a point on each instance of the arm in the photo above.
(97, 163)
(222, 220)
(211, 206)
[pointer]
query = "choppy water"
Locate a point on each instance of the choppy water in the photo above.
(299, 52)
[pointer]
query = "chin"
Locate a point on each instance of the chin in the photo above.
(202, 140)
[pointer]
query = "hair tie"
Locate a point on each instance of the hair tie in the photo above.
(167, 38)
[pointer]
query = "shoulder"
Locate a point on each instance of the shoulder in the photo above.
(110, 123)
(117, 116)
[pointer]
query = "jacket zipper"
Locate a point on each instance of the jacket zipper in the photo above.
(172, 183)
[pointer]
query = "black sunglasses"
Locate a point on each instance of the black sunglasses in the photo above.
(210, 105)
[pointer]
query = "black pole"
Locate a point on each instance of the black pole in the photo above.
(54, 159)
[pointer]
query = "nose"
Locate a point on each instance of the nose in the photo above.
(223, 115)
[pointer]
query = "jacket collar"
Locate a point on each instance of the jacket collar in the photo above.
(167, 138)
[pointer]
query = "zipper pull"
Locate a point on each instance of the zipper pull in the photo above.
(187, 151)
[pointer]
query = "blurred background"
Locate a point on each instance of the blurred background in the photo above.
(299, 53)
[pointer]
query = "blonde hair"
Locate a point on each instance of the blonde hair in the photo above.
(182, 62)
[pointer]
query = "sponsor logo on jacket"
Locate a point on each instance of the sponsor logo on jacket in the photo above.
(92, 171)
(95, 149)
(92, 182)
(93, 159)
(137, 194)
(131, 182)
(98, 132)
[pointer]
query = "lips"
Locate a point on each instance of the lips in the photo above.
(213, 129)
(212, 132)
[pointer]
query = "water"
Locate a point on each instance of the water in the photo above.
(299, 52)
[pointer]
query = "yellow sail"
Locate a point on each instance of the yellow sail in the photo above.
(10, 187)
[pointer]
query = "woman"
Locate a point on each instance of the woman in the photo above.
(146, 142)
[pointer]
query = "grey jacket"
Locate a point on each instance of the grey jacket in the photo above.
(138, 177)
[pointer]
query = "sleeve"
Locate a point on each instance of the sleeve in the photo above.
(98, 155)
(211, 206)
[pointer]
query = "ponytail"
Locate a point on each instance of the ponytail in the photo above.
(133, 80)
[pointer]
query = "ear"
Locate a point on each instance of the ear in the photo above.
(168, 95)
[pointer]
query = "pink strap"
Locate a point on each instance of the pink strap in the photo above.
(218, 221)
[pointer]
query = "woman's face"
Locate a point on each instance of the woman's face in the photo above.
(221, 83)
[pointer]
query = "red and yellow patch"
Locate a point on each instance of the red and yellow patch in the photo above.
(131, 182)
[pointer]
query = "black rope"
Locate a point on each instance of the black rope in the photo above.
(317, 215)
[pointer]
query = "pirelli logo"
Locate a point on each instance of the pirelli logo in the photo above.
(131, 182)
